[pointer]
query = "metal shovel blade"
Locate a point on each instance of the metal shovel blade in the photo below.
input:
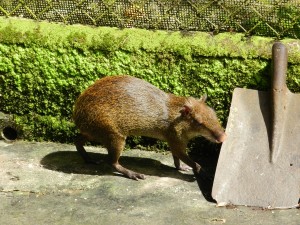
(259, 163)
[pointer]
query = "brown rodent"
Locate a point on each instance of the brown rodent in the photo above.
(115, 107)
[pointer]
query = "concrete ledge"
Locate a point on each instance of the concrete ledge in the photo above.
(48, 183)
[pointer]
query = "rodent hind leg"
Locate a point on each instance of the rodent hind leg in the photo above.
(115, 145)
(79, 143)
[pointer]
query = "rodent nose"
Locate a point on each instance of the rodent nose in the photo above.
(221, 138)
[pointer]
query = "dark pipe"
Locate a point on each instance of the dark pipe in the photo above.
(9, 133)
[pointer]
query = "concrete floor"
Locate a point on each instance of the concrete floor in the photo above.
(48, 183)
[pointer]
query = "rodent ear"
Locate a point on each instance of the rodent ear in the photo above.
(186, 110)
(203, 98)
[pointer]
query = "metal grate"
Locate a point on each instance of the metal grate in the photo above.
(279, 18)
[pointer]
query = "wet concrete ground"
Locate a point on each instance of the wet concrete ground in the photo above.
(48, 183)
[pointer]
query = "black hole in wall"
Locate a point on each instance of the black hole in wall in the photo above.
(9, 134)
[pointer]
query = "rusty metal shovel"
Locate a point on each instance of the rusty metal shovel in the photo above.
(259, 163)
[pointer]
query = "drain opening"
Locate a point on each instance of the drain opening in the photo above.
(9, 134)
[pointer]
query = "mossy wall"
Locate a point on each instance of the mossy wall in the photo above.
(44, 67)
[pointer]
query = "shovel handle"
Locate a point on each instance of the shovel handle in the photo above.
(279, 56)
(279, 97)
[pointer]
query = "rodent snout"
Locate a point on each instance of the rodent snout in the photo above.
(221, 138)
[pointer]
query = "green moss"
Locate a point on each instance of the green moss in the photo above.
(44, 67)
(184, 44)
(45, 128)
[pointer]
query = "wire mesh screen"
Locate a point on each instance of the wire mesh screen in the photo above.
(279, 18)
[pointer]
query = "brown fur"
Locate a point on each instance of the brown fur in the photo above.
(119, 106)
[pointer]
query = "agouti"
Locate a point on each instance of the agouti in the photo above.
(115, 107)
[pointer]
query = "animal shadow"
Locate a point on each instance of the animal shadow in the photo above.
(71, 162)
(206, 154)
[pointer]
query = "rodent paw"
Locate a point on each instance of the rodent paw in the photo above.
(136, 176)
(184, 168)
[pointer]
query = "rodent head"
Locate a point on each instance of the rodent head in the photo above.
(203, 120)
